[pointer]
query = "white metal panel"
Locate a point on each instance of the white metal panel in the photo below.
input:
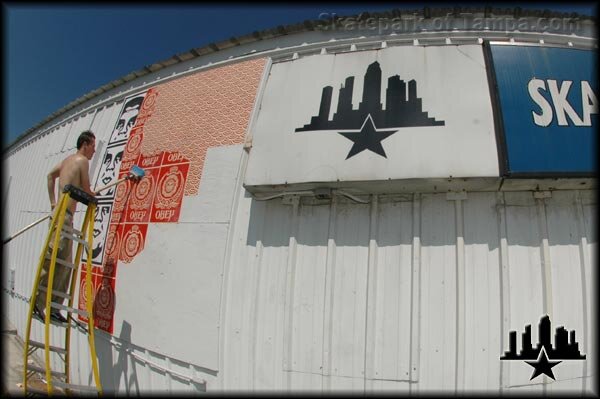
(387, 387)
(344, 250)
(527, 303)
(391, 329)
(588, 216)
(217, 187)
(176, 284)
(77, 125)
(568, 279)
(306, 333)
(309, 382)
(59, 134)
(238, 298)
(438, 290)
(349, 287)
(292, 96)
(483, 322)
(269, 294)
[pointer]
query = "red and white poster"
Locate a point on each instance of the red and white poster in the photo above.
(166, 131)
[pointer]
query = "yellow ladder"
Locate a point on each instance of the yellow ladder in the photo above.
(55, 378)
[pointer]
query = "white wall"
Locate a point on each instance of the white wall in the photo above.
(412, 293)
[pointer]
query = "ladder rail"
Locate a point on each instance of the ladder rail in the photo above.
(51, 269)
(72, 284)
(33, 299)
(55, 234)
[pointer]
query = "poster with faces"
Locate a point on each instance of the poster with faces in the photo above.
(109, 172)
(127, 118)
(101, 219)
(109, 169)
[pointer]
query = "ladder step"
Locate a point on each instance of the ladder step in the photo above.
(62, 262)
(52, 321)
(70, 230)
(37, 391)
(73, 387)
(57, 293)
(55, 305)
(43, 371)
(74, 238)
(52, 348)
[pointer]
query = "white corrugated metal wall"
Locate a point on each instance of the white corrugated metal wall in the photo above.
(411, 292)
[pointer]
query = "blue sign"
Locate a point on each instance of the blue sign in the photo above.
(549, 107)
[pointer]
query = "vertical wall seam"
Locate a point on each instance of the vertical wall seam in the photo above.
(328, 295)
(288, 332)
(167, 373)
(69, 128)
(460, 297)
(504, 377)
(5, 196)
(584, 265)
(546, 264)
(415, 308)
(148, 370)
(371, 297)
(229, 245)
(257, 267)
(546, 268)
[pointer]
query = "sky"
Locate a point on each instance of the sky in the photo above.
(56, 53)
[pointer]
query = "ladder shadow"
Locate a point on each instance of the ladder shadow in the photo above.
(111, 373)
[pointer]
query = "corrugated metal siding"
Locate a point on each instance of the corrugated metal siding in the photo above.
(124, 367)
(411, 293)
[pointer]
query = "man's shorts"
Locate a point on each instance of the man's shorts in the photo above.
(62, 244)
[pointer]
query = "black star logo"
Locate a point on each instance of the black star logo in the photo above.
(542, 365)
(368, 138)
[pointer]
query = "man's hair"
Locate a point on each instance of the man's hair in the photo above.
(85, 137)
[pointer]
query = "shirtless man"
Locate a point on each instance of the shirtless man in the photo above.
(72, 170)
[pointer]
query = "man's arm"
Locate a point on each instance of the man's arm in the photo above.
(51, 178)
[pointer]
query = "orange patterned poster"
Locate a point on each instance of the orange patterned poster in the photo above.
(177, 122)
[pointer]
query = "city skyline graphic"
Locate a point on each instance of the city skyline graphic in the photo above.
(370, 124)
(565, 347)
(402, 107)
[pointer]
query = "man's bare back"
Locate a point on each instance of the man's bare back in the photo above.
(73, 170)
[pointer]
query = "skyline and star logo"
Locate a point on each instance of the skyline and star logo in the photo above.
(544, 352)
(402, 109)
(542, 365)
(368, 138)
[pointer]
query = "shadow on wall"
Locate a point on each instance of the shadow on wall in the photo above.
(111, 373)
(272, 222)
(121, 377)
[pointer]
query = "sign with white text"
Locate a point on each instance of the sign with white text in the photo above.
(549, 106)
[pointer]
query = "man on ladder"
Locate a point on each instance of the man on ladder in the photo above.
(73, 170)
